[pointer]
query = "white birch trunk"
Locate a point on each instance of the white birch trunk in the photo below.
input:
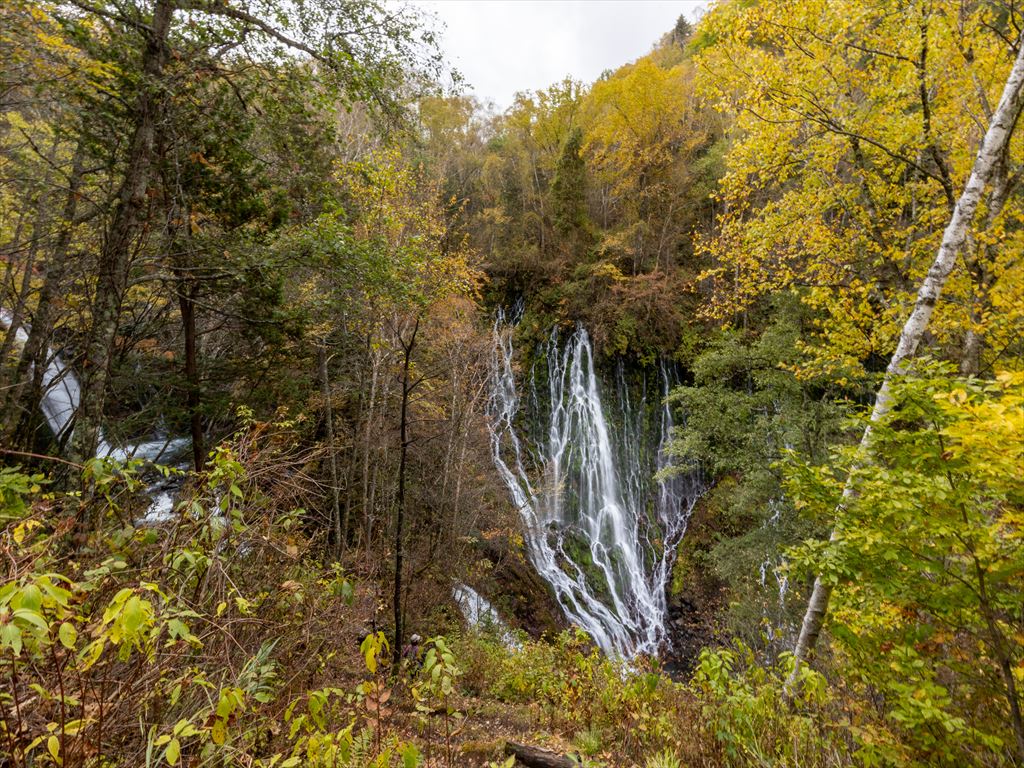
(996, 140)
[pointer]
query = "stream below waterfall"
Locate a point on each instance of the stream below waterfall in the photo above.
(581, 454)
(59, 404)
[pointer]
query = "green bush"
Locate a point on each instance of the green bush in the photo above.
(749, 712)
(632, 709)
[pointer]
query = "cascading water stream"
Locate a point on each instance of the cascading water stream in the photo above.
(480, 614)
(59, 403)
(774, 564)
(599, 529)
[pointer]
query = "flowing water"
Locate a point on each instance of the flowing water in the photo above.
(480, 614)
(599, 528)
(59, 403)
(774, 566)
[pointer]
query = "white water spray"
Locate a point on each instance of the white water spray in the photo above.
(598, 529)
(480, 614)
(59, 402)
(775, 564)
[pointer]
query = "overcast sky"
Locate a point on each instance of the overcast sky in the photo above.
(504, 46)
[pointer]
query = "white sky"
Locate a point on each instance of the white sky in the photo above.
(504, 46)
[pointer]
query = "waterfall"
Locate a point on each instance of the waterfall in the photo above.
(60, 385)
(59, 403)
(599, 528)
(775, 564)
(480, 614)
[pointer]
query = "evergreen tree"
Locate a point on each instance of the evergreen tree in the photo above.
(569, 189)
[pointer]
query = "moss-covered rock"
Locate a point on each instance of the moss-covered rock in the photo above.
(697, 596)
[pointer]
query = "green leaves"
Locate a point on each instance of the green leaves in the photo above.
(178, 630)
(131, 623)
(16, 488)
(10, 635)
(28, 610)
(53, 747)
(927, 562)
(439, 672)
(31, 598)
(745, 703)
(410, 756)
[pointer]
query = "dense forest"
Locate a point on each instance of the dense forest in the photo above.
(673, 419)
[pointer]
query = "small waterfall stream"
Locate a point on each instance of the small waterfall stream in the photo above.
(480, 614)
(774, 565)
(599, 528)
(59, 403)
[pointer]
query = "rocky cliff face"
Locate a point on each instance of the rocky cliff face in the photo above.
(696, 596)
(581, 445)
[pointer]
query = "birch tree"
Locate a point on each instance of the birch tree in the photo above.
(992, 151)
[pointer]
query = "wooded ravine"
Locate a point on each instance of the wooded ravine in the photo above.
(674, 419)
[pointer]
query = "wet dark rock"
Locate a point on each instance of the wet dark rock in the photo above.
(525, 598)
(696, 596)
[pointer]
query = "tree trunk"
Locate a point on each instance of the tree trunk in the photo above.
(332, 458)
(352, 462)
(20, 299)
(1003, 657)
(21, 295)
(407, 348)
(534, 757)
(187, 290)
(194, 395)
(367, 501)
(36, 350)
(115, 253)
(1004, 119)
(8, 254)
(970, 357)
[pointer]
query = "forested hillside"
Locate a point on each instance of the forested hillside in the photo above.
(672, 419)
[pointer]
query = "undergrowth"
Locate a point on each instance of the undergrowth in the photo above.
(220, 637)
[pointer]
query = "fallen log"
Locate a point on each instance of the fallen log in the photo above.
(534, 757)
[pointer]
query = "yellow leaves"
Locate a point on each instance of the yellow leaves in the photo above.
(55, 43)
(609, 271)
(183, 729)
(373, 645)
(987, 428)
(34, 38)
(22, 530)
(1010, 380)
(92, 652)
(635, 120)
(400, 219)
(173, 752)
(957, 396)
(831, 177)
(231, 701)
